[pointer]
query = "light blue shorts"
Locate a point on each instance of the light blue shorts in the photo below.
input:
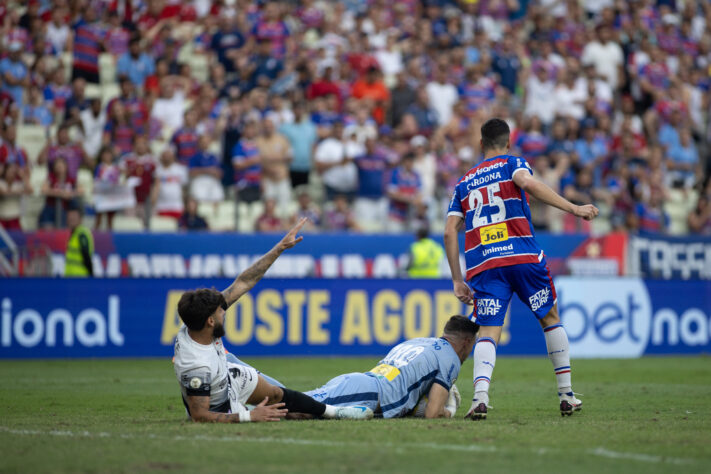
(349, 389)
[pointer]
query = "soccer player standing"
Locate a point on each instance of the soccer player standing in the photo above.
(503, 257)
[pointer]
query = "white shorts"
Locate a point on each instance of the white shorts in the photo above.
(243, 381)
(207, 189)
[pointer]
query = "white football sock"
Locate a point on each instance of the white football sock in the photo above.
(330, 412)
(559, 354)
(484, 361)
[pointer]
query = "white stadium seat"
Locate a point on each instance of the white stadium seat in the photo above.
(163, 224)
(127, 224)
(32, 138)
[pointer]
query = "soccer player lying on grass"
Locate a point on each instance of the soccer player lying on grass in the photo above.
(422, 367)
(217, 390)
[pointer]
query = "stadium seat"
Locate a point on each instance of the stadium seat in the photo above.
(92, 90)
(157, 147)
(226, 216)
(32, 138)
(67, 60)
(199, 66)
(285, 212)
(678, 205)
(127, 224)
(107, 69)
(85, 179)
(163, 224)
(108, 92)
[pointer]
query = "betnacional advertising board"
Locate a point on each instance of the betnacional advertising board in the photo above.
(604, 317)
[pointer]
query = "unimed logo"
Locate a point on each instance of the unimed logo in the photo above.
(89, 328)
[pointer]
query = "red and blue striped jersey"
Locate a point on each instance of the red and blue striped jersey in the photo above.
(496, 216)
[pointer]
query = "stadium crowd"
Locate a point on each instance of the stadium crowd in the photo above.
(361, 114)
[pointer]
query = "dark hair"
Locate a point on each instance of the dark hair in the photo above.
(494, 134)
(196, 306)
(460, 325)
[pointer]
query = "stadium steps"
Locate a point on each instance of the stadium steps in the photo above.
(32, 138)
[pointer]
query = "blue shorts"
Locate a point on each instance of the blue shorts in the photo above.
(349, 389)
(493, 289)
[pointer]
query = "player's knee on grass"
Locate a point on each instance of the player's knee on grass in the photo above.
(265, 389)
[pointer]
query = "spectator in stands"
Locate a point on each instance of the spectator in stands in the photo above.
(507, 64)
(227, 41)
(135, 105)
(190, 220)
(606, 55)
(405, 193)
(205, 174)
(425, 166)
(371, 204)
(71, 152)
(117, 36)
(169, 106)
(10, 152)
(302, 137)
(171, 178)
(12, 187)
(119, 132)
(35, 110)
(56, 90)
(14, 73)
(92, 123)
(185, 139)
(339, 218)
(532, 143)
(306, 209)
(442, 94)
(141, 165)
(699, 219)
(268, 221)
(60, 191)
(539, 90)
(426, 117)
(247, 165)
(373, 92)
(88, 44)
(77, 101)
(110, 191)
(275, 156)
(650, 216)
(58, 33)
(401, 98)
(683, 161)
(135, 64)
(337, 171)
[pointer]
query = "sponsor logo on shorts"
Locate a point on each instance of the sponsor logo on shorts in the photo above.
(487, 307)
(494, 233)
(539, 299)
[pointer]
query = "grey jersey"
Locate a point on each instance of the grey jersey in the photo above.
(410, 369)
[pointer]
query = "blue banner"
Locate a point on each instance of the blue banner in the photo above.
(670, 257)
(612, 317)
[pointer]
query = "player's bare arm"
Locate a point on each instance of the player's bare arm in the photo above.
(451, 247)
(544, 193)
(248, 278)
(200, 412)
(437, 399)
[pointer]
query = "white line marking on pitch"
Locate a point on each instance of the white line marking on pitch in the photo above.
(601, 452)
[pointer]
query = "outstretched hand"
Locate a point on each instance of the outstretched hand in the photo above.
(587, 212)
(264, 412)
(290, 239)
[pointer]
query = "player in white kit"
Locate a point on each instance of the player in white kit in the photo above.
(215, 386)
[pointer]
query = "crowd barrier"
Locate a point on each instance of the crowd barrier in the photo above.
(604, 317)
(337, 255)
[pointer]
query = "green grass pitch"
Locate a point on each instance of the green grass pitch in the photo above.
(647, 415)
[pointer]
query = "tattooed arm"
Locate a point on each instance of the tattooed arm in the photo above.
(200, 412)
(248, 278)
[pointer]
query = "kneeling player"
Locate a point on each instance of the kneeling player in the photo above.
(215, 389)
(426, 366)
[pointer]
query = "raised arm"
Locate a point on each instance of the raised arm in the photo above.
(248, 278)
(545, 194)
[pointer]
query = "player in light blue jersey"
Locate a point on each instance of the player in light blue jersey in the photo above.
(426, 366)
(503, 258)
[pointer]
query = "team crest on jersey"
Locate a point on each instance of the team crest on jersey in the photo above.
(494, 233)
(539, 299)
(487, 307)
(195, 383)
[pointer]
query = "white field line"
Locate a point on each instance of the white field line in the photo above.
(403, 447)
